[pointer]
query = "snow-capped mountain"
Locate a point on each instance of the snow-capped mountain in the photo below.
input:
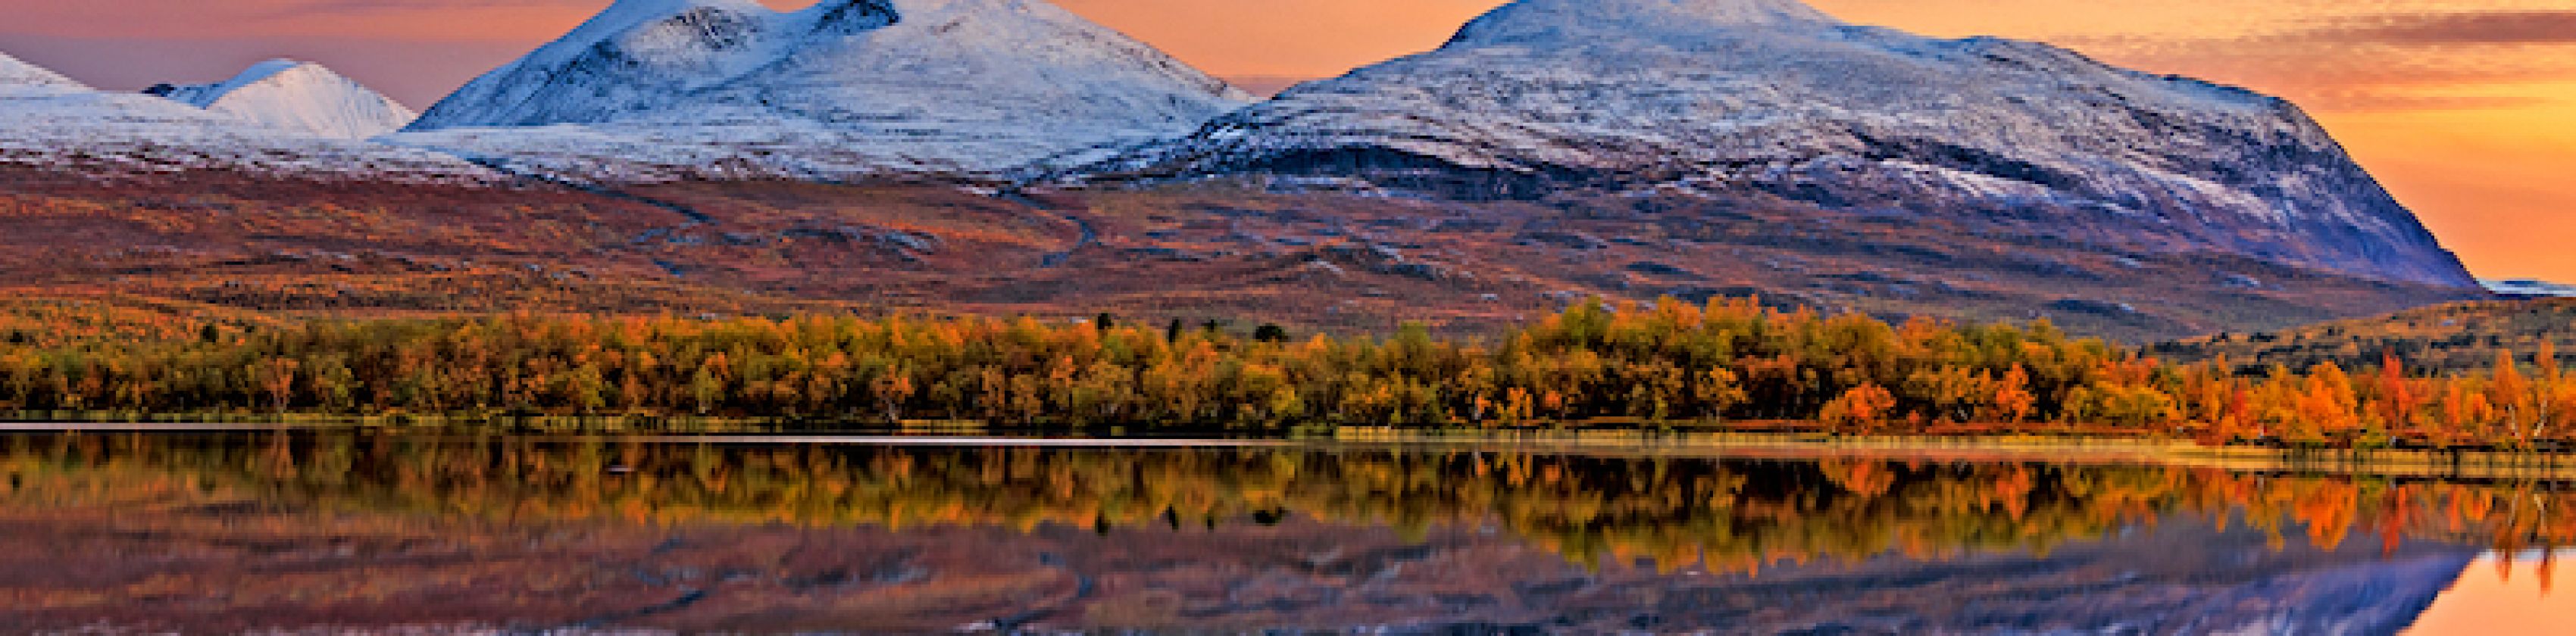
(54, 123)
(297, 96)
(847, 87)
(1773, 98)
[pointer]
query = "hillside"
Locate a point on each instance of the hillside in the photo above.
(2446, 337)
(1338, 262)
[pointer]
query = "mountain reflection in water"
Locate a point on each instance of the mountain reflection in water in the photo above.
(330, 531)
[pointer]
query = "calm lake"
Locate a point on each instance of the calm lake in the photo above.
(309, 531)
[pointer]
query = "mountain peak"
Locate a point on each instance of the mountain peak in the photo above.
(205, 95)
(1543, 20)
(297, 96)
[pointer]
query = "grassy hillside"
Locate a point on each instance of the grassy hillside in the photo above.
(1335, 262)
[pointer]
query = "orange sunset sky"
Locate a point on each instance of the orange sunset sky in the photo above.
(2466, 108)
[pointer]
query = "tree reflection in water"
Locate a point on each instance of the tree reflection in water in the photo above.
(301, 529)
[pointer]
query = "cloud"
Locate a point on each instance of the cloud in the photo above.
(2375, 62)
(2447, 29)
(2365, 100)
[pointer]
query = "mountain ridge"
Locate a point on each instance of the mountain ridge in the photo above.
(1547, 19)
(60, 125)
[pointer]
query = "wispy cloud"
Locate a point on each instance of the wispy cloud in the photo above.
(2452, 28)
(2370, 62)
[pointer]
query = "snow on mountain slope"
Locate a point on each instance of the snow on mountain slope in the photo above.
(1773, 98)
(665, 88)
(57, 124)
(297, 96)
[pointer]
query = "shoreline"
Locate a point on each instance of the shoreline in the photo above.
(2053, 449)
(2078, 449)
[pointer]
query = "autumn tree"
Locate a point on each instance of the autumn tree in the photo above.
(277, 377)
(2013, 399)
(1860, 406)
(2511, 395)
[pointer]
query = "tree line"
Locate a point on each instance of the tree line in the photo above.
(1731, 362)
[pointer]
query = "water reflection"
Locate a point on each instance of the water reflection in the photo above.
(230, 532)
(2502, 593)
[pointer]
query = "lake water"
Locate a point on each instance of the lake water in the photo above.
(321, 532)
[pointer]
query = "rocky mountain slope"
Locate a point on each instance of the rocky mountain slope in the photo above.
(62, 125)
(1773, 100)
(299, 97)
(845, 88)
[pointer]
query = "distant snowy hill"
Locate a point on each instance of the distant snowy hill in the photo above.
(1770, 98)
(58, 124)
(297, 96)
(2529, 287)
(663, 88)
